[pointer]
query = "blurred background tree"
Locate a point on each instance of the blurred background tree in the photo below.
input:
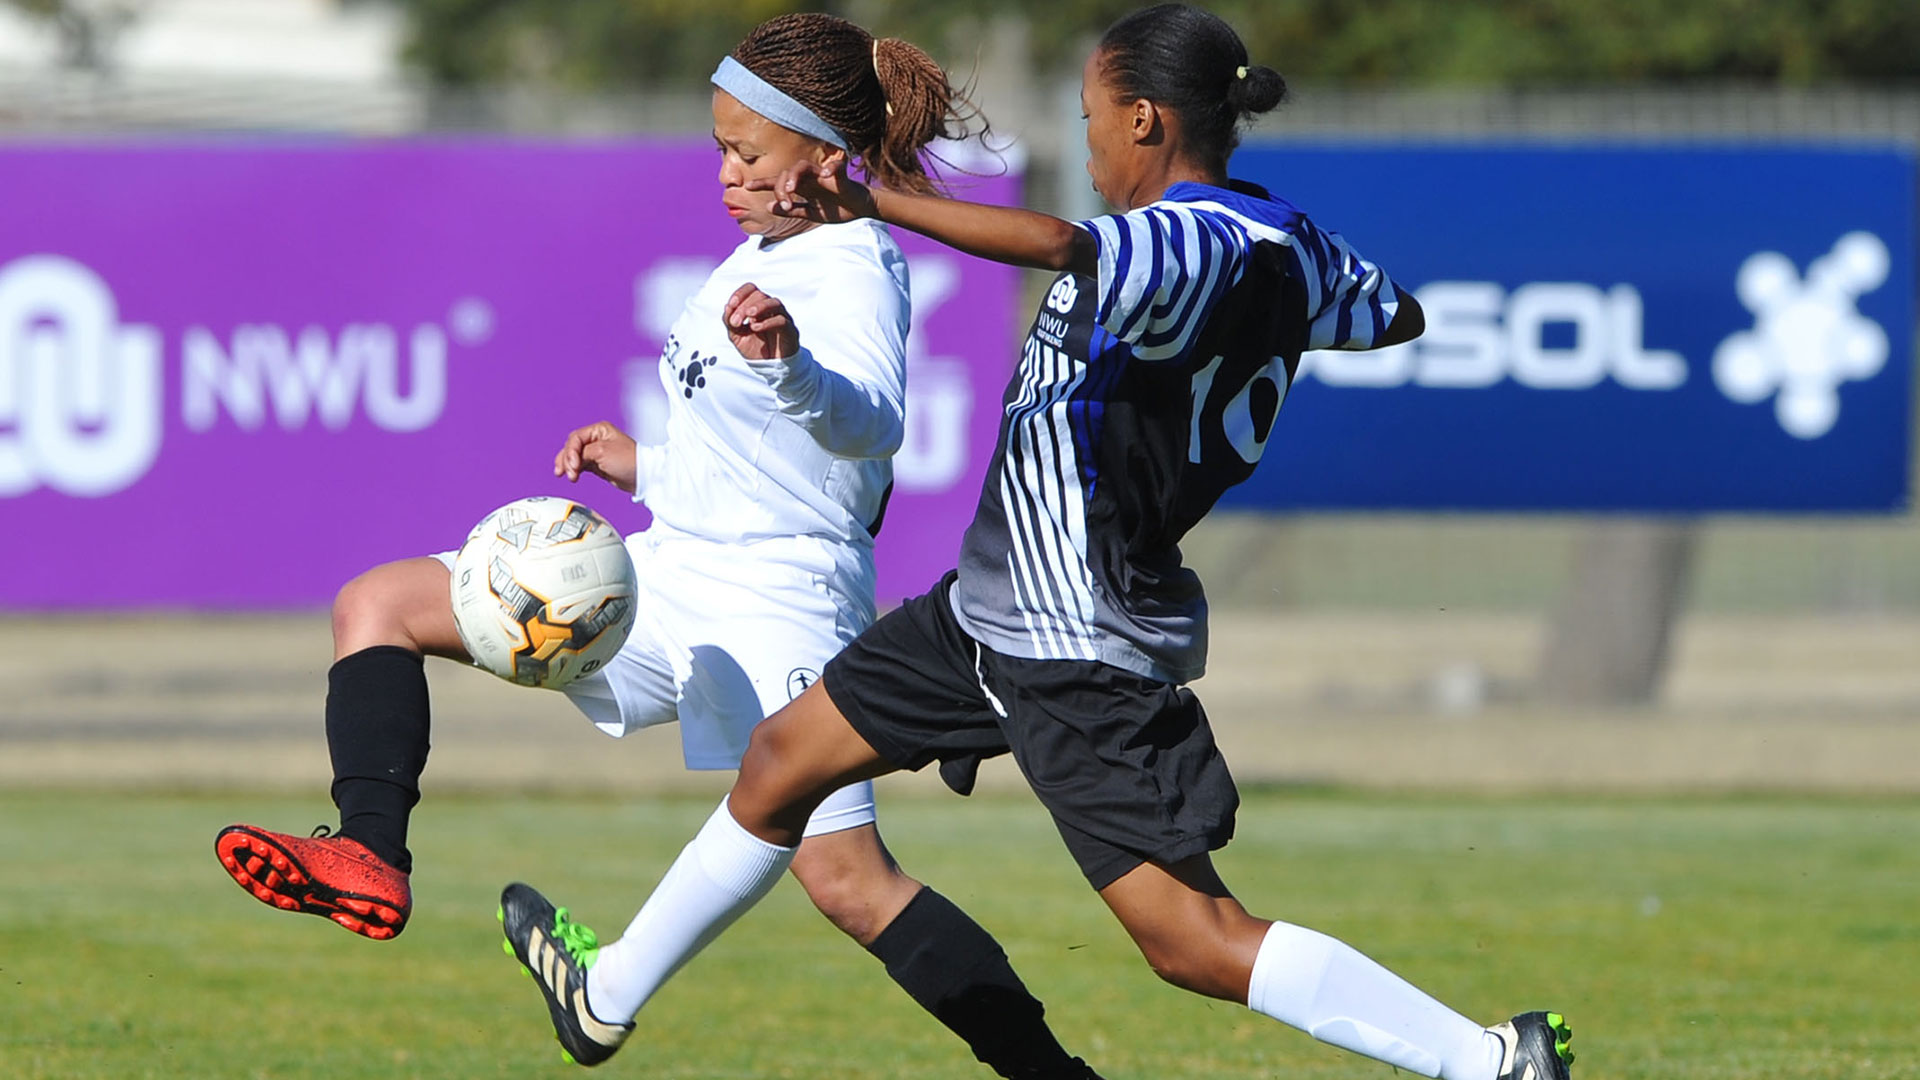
(584, 44)
(85, 29)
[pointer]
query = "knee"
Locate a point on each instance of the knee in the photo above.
(841, 894)
(833, 895)
(1180, 964)
(374, 609)
(778, 765)
(858, 891)
(766, 798)
(358, 605)
(760, 780)
(1216, 965)
(760, 763)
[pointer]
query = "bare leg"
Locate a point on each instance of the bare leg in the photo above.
(852, 878)
(405, 604)
(1192, 931)
(378, 719)
(942, 958)
(1195, 935)
(948, 963)
(796, 758)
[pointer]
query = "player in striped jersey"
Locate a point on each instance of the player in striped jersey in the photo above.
(1148, 385)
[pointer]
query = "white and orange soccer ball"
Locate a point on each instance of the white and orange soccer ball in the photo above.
(543, 592)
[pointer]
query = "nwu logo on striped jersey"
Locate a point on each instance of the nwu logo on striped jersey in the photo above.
(1064, 294)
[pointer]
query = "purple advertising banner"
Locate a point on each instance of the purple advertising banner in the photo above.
(235, 376)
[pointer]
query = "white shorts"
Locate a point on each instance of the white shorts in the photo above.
(726, 635)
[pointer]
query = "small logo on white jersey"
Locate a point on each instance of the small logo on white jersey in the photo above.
(1063, 295)
(80, 394)
(799, 679)
(692, 374)
(1808, 335)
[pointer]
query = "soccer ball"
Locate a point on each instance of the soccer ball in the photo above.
(543, 592)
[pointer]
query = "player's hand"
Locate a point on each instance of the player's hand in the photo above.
(759, 325)
(600, 449)
(820, 193)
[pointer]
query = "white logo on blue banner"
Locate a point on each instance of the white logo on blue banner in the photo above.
(1611, 328)
(1478, 334)
(1808, 335)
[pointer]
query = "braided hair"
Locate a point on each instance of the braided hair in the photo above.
(887, 97)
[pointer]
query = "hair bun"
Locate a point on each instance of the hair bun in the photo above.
(1259, 91)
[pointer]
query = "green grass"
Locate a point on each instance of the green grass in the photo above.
(1701, 939)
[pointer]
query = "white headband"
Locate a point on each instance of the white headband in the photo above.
(773, 103)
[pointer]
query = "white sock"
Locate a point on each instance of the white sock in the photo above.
(1331, 991)
(722, 873)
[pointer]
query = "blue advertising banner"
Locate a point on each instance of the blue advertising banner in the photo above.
(1612, 329)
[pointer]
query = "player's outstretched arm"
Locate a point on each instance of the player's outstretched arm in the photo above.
(1001, 233)
(603, 450)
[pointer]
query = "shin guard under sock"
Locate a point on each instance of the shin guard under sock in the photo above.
(1334, 993)
(377, 721)
(721, 873)
(958, 972)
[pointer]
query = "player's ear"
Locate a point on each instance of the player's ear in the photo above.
(829, 157)
(1143, 121)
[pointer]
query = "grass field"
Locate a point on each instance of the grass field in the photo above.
(1702, 939)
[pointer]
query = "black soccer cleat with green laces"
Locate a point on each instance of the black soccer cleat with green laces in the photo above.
(558, 952)
(1537, 1047)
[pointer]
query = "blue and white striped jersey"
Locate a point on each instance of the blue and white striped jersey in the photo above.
(1142, 395)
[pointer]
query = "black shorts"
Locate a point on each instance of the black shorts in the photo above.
(1126, 765)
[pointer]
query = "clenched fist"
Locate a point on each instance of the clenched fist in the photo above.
(759, 325)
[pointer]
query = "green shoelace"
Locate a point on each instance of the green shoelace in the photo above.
(579, 939)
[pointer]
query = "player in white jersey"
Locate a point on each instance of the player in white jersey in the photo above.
(1148, 385)
(766, 496)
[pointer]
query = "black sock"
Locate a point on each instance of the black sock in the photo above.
(958, 972)
(377, 735)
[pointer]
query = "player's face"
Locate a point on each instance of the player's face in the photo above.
(1110, 135)
(753, 147)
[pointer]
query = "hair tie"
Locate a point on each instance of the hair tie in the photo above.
(876, 75)
(1241, 73)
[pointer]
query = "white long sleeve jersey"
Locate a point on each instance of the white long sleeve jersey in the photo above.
(797, 447)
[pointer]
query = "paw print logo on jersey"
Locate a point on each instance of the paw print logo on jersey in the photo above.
(1808, 335)
(693, 375)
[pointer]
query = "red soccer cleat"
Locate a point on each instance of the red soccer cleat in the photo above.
(320, 875)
